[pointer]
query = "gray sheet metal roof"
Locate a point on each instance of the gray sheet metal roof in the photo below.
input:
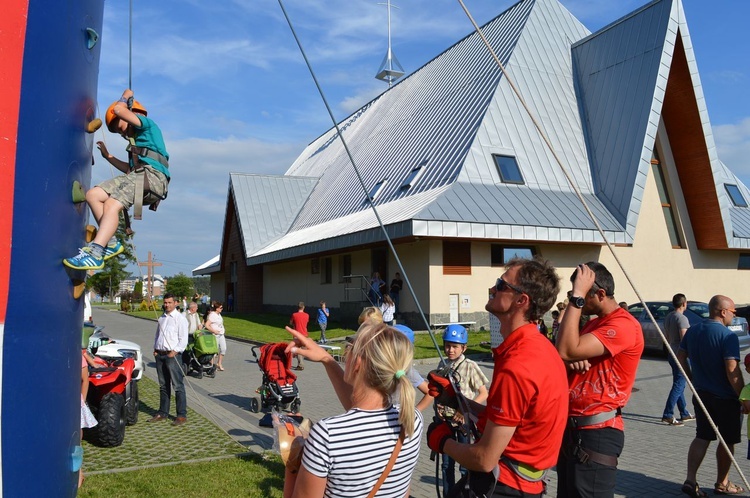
(621, 73)
(521, 206)
(431, 115)
(599, 103)
(267, 205)
(211, 266)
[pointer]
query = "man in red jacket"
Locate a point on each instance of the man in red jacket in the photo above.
(602, 363)
(522, 425)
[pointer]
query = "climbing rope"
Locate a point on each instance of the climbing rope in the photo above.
(564, 170)
(362, 184)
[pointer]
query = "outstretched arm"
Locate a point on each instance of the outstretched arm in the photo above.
(120, 165)
(309, 349)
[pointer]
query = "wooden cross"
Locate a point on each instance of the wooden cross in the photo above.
(150, 264)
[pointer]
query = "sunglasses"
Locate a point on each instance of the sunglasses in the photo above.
(732, 311)
(501, 285)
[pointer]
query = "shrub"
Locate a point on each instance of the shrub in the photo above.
(146, 306)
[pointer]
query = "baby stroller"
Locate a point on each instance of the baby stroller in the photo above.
(199, 354)
(278, 389)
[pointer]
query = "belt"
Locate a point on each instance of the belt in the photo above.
(162, 352)
(578, 422)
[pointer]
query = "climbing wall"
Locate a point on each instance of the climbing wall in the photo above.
(47, 99)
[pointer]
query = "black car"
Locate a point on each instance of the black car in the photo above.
(696, 312)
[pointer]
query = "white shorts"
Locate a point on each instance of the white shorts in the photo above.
(222, 343)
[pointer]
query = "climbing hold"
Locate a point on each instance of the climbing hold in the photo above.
(92, 37)
(78, 193)
(93, 125)
(90, 233)
(79, 286)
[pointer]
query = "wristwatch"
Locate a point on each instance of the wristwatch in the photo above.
(578, 302)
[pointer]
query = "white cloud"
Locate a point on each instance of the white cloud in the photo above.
(733, 144)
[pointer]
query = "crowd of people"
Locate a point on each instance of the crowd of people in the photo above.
(539, 410)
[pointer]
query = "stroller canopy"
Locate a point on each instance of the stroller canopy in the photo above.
(276, 363)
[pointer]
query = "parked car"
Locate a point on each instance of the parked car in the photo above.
(696, 312)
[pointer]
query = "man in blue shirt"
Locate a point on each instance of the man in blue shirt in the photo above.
(714, 353)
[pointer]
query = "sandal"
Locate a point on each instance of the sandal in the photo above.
(729, 488)
(693, 489)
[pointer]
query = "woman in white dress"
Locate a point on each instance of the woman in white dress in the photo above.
(215, 325)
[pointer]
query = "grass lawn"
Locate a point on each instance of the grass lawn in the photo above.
(268, 327)
(251, 476)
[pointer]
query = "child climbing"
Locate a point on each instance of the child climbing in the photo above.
(144, 182)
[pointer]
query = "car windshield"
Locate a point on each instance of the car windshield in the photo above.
(636, 310)
(700, 309)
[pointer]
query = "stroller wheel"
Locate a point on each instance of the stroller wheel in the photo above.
(200, 373)
(254, 405)
(295, 405)
(185, 368)
(211, 373)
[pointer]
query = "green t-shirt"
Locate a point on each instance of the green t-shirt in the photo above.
(745, 396)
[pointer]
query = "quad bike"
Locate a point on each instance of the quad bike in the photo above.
(113, 399)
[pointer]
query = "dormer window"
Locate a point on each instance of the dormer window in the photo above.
(508, 169)
(377, 189)
(735, 195)
(414, 175)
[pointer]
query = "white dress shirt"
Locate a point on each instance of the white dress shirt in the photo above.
(171, 333)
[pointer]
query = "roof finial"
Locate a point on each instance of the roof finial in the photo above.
(390, 69)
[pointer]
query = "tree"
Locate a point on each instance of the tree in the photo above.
(106, 282)
(138, 290)
(202, 284)
(180, 285)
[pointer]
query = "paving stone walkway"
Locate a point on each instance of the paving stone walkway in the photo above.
(653, 462)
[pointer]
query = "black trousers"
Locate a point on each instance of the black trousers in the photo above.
(589, 479)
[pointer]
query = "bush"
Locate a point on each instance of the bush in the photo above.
(146, 306)
(125, 305)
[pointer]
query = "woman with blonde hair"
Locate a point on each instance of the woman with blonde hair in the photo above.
(376, 365)
(370, 314)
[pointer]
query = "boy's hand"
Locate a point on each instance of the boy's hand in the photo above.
(127, 94)
(103, 149)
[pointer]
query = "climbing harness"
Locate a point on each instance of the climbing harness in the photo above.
(143, 193)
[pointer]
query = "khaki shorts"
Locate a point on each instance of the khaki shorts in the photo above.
(122, 188)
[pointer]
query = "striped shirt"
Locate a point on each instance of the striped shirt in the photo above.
(352, 450)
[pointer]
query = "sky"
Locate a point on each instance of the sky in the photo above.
(230, 90)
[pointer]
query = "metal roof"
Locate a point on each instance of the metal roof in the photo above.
(597, 96)
(267, 205)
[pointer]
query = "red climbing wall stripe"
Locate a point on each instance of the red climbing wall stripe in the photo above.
(12, 36)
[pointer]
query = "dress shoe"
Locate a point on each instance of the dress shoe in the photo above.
(180, 421)
(158, 417)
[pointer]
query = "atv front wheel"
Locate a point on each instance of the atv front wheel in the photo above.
(110, 429)
(132, 405)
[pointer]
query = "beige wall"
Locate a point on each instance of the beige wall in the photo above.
(414, 257)
(659, 271)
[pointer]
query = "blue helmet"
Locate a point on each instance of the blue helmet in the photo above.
(409, 333)
(455, 333)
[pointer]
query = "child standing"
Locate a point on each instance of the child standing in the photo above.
(387, 308)
(473, 384)
(148, 156)
(745, 400)
(323, 322)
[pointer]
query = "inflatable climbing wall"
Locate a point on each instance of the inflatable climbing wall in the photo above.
(50, 53)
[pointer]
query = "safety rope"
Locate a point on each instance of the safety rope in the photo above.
(362, 183)
(130, 47)
(563, 168)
